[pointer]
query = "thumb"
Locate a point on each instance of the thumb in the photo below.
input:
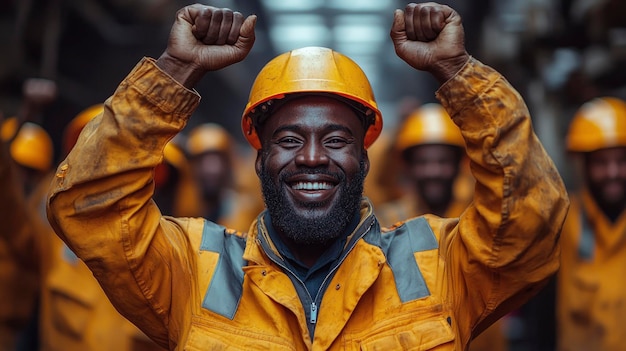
(398, 28)
(246, 32)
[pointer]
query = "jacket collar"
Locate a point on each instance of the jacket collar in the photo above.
(260, 245)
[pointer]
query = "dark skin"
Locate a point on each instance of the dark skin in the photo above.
(308, 133)
(427, 36)
(432, 168)
(606, 179)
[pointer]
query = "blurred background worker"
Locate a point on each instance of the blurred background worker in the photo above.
(31, 152)
(212, 155)
(591, 296)
(74, 313)
(30, 158)
(431, 151)
(18, 286)
(436, 180)
(31, 149)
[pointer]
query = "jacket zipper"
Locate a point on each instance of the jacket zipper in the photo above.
(313, 305)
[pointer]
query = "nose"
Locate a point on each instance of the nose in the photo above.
(312, 154)
(612, 169)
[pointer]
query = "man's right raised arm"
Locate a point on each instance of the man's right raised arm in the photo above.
(100, 202)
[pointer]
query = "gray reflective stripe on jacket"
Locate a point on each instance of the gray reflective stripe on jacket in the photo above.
(225, 290)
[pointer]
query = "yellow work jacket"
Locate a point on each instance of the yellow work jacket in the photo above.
(409, 206)
(426, 285)
(591, 295)
(74, 313)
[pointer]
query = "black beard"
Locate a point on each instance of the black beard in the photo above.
(612, 208)
(308, 230)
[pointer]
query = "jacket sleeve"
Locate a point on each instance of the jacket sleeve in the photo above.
(100, 202)
(506, 244)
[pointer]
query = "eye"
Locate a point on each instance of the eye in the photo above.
(337, 142)
(288, 142)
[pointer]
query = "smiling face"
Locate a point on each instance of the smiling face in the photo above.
(312, 166)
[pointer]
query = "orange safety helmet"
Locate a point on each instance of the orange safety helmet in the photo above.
(32, 146)
(599, 123)
(76, 125)
(429, 124)
(314, 70)
(9, 128)
(208, 137)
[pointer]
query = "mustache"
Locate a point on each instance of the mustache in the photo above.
(338, 176)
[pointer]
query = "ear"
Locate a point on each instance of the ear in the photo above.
(258, 163)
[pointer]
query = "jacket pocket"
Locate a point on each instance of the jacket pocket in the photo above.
(406, 333)
(219, 336)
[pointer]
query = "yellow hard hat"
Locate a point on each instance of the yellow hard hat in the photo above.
(428, 124)
(174, 155)
(76, 125)
(208, 137)
(313, 70)
(9, 128)
(598, 124)
(32, 147)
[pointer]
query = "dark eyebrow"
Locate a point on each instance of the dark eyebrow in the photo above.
(328, 128)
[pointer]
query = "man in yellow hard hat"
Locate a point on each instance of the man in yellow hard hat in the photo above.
(212, 154)
(590, 293)
(32, 150)
(432, 152)
(29, 156)
(18, 284)
(315, 272)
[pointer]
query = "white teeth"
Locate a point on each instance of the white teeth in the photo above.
(312, 186)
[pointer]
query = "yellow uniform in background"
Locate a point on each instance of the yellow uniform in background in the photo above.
(591, 293)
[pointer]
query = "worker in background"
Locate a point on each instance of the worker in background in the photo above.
(382, 184)
(18, 276)
(212, 155)
(432, 153)
(436, 180)
(591, 295)
(32, 149)
(32, 154)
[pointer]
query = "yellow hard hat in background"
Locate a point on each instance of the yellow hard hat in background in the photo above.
(428, 124)
(598, 124)
(315, 70)
(208, 137)
(9, 128)
(32, 147)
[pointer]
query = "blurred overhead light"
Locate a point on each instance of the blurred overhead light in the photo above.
(295, 31)
(292, 5)
(361, 5)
